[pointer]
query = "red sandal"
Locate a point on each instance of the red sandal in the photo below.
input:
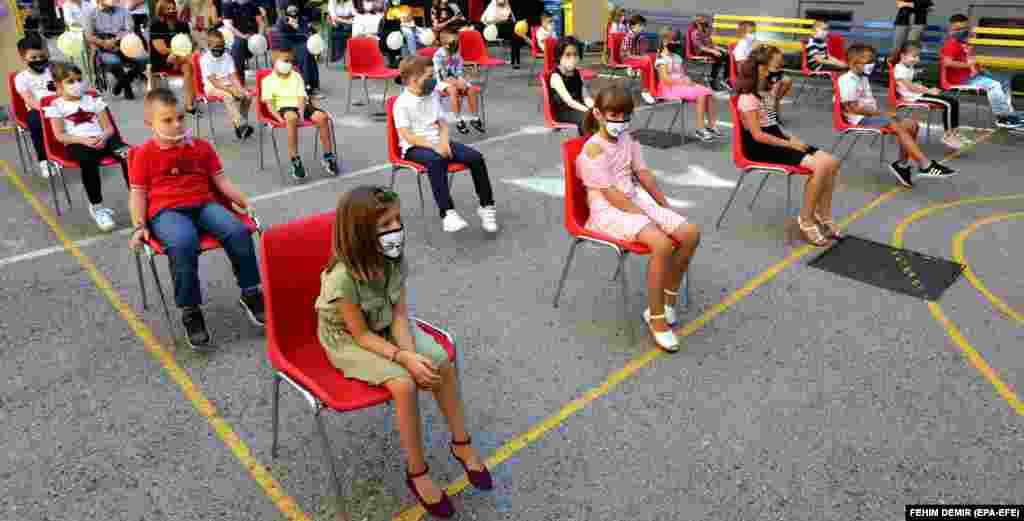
(442, 509)
(481, 479)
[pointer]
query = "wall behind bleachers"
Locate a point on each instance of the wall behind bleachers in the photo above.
(863, 9)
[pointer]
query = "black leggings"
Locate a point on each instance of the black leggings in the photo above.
(35, 128)
(507, 32)
(89, 160)
(571, 116)
(950, 109)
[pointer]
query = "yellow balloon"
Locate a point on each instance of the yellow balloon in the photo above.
(131, 46)
(522, 28)
(71, 43)
(181, 45)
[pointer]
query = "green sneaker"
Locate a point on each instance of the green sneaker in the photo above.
(298, 172)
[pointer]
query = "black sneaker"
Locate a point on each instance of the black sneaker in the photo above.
(937, 170)
(462, 127)
(1009, 121)
(118, 87)
(704, 135)
(196, 334)
(129, 94)
(478, 124)
(330, 164)
(902, 173)
(238, 133)
(253, 307)
(298, 171)
(247, 131)
(721, 86)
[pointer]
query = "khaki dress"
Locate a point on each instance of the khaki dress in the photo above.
(377, 299)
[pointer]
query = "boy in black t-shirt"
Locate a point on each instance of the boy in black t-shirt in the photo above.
(240, 19)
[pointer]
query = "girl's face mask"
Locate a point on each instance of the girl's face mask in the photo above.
(868, 69)
(568, 63)
(73, 89)
(962, 35)
(392, 242)
(283, 67)
(821, 34)
(615, 128)
(911, 60)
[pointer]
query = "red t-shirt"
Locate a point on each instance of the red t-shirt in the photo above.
(954, 50)
(180, 176)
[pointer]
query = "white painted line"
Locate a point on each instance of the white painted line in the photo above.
(555, 187)
(262, 197)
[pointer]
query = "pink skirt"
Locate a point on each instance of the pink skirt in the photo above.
(686, 92)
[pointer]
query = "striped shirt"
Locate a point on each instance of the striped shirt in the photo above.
(631, 44)
(816, 49)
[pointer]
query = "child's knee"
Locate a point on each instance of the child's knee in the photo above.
(688, 234)
(291, 117)
(401, 388)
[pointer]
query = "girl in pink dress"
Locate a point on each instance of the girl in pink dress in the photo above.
(625, 203)
(673, 83)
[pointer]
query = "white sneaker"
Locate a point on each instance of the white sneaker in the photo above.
(488, 218)
(666, 340)
(452, 222)
(648, 98)
(104, 217)
(44, 169)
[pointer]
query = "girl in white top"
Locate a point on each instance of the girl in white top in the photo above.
(81, 122)
(367, 21)
(903, 74)
(499, 12)
(75, 11)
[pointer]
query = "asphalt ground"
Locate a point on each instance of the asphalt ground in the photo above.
(797, 394)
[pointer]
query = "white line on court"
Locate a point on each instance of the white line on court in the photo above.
(262, 197)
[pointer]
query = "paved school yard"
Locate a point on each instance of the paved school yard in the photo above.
(797, 395)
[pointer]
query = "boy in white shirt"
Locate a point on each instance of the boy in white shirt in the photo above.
(33, 84)
(861, 109)
(546, 30)
(747, 33)
(220, 79)
(425, 139)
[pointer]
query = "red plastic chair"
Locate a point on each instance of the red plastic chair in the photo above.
(474, 52)
(576, 214)
(649, 77)
(549, 116)
(264, 119)
(732, 65)
(22, 135)
(959, 90)
(899, 104)
(692, 56)
(366, 62)
(536, 51)
(58, 158)
(201, 96)
(615, 51)
(807, 72)
(427, 52)
(292, 257)
(398, 162)
(549, 60)
(153, 248)
(747, 166)
(843, 128)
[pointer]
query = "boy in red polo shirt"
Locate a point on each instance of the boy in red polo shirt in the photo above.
(173, 180)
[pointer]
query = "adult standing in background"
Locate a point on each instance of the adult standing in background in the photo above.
(367, 18)
(240, 17)
(911, 21)
(341, 14)
(139, 9)
(529, 10)
(104, 28)
(499, 13)
(292, 31)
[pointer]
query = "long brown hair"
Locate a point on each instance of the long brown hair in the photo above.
(613, 99)
(747, 78)
(354, 242)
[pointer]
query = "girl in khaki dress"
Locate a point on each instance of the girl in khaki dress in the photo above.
(365, 328)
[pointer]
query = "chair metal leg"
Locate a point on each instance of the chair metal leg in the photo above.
(565, 270)
(757, 193)
(209, 119)
(348, 102)
(789, 193)
(53, 191)
(419, 186)
(384, 100)
(277, 155)
(160, 291)
(259, 130)
(366, 91)
(624, 298)
(732, 196)
(274, 418)
(881, 152)
(19, 138)
(856, 138)
(142, 280)
(650, 116)
(64, 183)
(318, 418)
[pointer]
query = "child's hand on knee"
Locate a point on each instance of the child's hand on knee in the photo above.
(421, 368)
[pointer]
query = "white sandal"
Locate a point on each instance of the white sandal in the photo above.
(665, 339)
(670, 311)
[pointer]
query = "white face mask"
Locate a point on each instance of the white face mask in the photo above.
(568, 64)
(184, 136)
(392, 242)
(749, 37)
(73, 89)
(282, 67)
(821, 35)
(616, 128)
(869, 68)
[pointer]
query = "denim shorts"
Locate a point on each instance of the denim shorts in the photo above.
(875, 121)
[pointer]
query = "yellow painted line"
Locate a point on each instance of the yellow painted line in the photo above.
(768, 19)
(972, 355)
(958, 255)
(999, 30)
(523, 440)
(535, 432)
(260, 473)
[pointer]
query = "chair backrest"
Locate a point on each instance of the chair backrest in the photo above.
(472, 46)
(738, 155)
(615, 49)
(894, 95)
(394, 145)
(363, 56)
(427, 52)
(732, 64)
(197, 76)
(688, 46)
(292, 257)
(19, 110)
(944, 82)
(549, 55)
(804, 66)
(262, 109)
(55, 150)
(577, 211)
(534, 49)
(837, 46)
(545, 88)
(649, 76)
(839, 122)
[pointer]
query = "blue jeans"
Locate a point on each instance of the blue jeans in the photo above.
(437, 172)
(239, 54)
(998, 90)
(116, 61)
(179, 228)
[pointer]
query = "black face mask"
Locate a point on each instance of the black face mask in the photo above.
(217, 51)
(39, 66)
(774, 76)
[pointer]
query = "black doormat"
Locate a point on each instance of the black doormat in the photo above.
(903, 271)
(657, 138)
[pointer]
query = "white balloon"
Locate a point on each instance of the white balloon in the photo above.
(257, 44)
(229, 37)
(71, 43)
(131, 46)
(181, 45)
(315, 44)
(395, 40)
(491, 32)
(427, 37)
